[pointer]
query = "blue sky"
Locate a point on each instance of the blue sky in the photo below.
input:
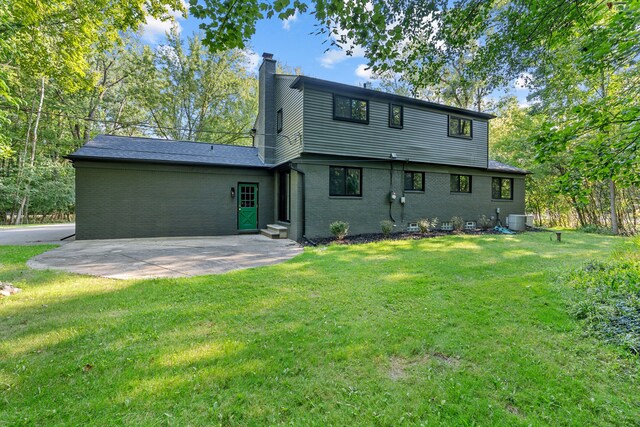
(293, 44)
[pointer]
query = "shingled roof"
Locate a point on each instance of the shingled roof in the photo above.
(152, 150)
(503, 167)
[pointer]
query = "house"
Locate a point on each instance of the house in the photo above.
(322, 151)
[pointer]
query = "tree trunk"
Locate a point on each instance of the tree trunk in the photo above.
(612, 202)
(32, 160)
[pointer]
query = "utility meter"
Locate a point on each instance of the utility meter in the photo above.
(392, 196)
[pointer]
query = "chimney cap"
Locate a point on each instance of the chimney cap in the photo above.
(266, 55)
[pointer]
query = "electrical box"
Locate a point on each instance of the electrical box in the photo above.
(392, 196)
(403, 200)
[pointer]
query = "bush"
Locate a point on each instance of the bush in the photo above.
(434, 223)
(484, 223)
(457, 223)
(387, 227)
(339, 229)
(424, 225)
(595, 229)
(608, 301)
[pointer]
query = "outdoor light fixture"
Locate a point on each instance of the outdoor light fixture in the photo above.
(233, 192)
(393, 155)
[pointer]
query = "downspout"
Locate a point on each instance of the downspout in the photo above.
(304, 203)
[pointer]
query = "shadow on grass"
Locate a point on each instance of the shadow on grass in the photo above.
(311, 341)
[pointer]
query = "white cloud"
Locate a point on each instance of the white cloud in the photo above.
(286, 24)
(363, 72)
(253, 60)
(336, 56)
(154, 30)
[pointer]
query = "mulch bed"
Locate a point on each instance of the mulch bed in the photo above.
(377, 237)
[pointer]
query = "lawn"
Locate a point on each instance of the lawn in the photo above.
(458, 330)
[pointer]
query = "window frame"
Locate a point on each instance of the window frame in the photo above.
(350, 119)
(391, 124)
(413, 173)
(458, 191)
(510, 180)
(459, 118)
(279, 120)
(346, 169)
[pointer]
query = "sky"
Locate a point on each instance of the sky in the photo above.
(293, 44)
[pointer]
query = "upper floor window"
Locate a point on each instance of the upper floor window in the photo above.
(396, 113)
(460, 128)
(279, 120)
(414, 181)
(345, 181)
(502, 188)
(350, 109)
(461, 183)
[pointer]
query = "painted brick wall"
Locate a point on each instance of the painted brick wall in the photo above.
(365, 213)
(120, 200)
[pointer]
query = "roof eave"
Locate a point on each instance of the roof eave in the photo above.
(74, 158)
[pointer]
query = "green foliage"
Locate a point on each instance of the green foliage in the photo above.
(191, 94)
(457, 223)
(339, 229)
(484, 223)
(424, 225)
(54, 38)
(608, 300)
(386, 226)
(594, 228)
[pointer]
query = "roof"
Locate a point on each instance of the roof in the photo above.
(503, 167)
(302, 81)
(153, 150)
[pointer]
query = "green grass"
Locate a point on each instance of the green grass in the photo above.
(458, 330)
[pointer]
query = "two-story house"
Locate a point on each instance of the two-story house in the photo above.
(322, 151)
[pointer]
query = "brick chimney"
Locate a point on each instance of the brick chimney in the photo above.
(266, 123)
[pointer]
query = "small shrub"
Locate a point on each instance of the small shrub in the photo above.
(607, 301)
(484, 223)
(339, 229)
(457, 223)
(387, 227)
(424, 225)
(434, 223)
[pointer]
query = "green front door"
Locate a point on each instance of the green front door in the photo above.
(247, 206)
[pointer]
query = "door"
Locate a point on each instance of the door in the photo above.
(284, 179)
(247, 206)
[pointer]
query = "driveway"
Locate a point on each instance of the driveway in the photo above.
(166, 256)
(36, 234)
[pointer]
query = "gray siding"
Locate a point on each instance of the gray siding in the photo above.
(122, 200)
(365, 213)
(289, 141)
(423, 138)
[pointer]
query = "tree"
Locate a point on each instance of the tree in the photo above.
(191, 94)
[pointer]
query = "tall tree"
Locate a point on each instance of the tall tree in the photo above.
(191, 94)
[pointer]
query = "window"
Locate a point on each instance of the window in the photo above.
(279, 120)
(350, 109)
(414, 181)
(502, 188)
(459, 127)
(345, 181)
(396, 119)
(461, 183)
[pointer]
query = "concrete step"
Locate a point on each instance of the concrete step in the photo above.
(270, 234)
(282, 230)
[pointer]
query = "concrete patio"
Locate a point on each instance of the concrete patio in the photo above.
(166, 256)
